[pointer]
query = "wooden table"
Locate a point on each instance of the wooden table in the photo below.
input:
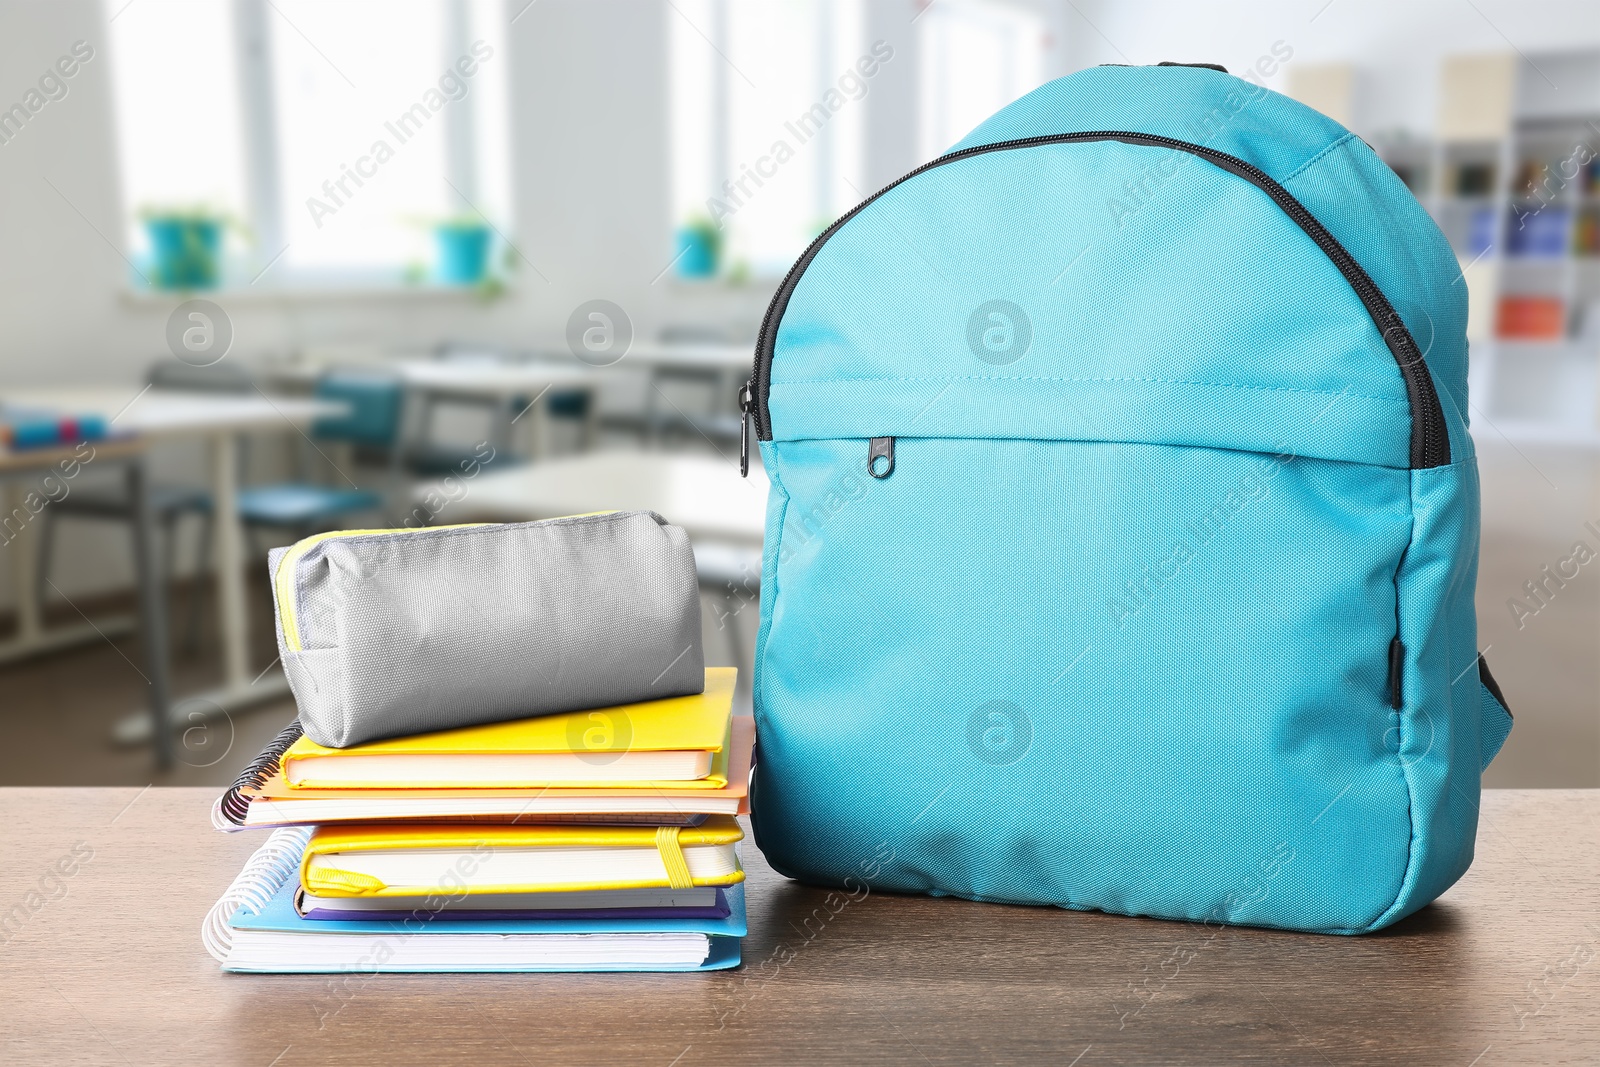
(1505, 968)
(704, 495)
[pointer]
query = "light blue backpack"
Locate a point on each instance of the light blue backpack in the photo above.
(1123, 526)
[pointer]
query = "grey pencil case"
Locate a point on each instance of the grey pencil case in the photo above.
(392, 632)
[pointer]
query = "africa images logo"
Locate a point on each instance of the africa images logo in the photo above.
(999, 732)
(199, 333)
(599, 333)
(999, 332)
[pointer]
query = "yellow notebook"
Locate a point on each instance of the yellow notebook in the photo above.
(672, 743)
(388, 860)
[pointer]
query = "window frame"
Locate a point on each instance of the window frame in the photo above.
(720, 142)
(257, 268)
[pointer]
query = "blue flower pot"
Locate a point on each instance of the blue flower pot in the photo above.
(463, 254)
(697, 254)
(186, 253)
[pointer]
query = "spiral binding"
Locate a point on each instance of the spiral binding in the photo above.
(257, 884)
(219, 820)
(234, 804)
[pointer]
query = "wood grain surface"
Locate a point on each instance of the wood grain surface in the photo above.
(107, 967)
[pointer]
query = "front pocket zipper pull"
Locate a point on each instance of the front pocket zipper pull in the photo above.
(880, 457)
(746, 395)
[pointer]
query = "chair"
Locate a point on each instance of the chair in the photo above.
(370, 426)
(169, 504)
(573, 406)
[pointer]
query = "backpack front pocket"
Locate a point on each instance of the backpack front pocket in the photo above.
(1140, 678)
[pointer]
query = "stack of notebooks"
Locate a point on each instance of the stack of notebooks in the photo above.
(597, 840)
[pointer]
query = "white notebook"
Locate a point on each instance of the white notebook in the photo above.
(552, 806)
(270, 950)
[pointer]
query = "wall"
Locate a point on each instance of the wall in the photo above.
(1396, 46)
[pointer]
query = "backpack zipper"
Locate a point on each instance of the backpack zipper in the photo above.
(1430, 441)
(746, 398)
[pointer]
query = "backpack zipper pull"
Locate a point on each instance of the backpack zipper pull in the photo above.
(880, 449)
(746, 398)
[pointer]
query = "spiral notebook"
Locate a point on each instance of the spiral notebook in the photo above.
(254, 927)
(262, 798)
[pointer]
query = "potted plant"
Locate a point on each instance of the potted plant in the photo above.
(461, 245)
(699, 248)
(185, 246)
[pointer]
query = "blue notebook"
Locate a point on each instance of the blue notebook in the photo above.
(277, 940)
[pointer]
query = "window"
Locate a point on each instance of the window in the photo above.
(176, 114)
(335, 150)
(976, 58)
(767, 125)
(769, 107)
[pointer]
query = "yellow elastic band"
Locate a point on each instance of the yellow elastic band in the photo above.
(672, 858)
(329, 881)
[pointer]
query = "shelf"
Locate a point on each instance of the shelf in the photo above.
(1517, 231)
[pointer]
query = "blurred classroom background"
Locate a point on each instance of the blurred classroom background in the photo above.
(313, 266)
